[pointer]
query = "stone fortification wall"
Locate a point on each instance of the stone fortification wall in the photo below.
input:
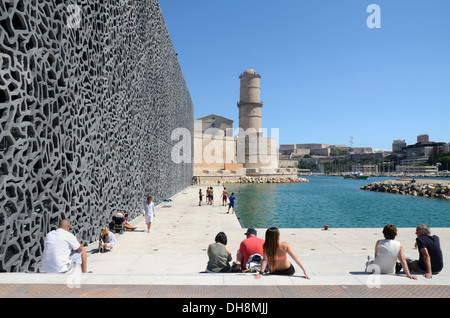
(90, 92)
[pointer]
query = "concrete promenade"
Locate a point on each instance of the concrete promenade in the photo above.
(168, 262)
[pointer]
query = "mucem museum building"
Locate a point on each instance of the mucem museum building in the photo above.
(90, 92)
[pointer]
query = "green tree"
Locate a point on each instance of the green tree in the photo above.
(444, 160)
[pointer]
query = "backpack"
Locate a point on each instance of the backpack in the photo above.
(254, 264)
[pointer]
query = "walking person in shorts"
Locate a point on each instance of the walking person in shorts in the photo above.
(224, 197)
(200, 197)
(231, 205)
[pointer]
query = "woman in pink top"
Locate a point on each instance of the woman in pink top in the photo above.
(275, 255)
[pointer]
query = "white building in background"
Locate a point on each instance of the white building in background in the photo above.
(222, 152)
(415, 169)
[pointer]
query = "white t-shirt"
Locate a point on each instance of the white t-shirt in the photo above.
(111, 239)
(387, 255)
(58, 245)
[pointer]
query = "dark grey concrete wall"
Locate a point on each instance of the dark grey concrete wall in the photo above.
(89, 96)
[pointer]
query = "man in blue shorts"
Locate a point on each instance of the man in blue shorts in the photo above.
(231, 205)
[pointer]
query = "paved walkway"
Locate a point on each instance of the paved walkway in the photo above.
(168, 262)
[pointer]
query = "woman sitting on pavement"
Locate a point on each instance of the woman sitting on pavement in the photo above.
(127, 225)
(275, 255)
(387, 252)
(219, 255)
(107, 239)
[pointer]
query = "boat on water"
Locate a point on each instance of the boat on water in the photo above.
(357, 176)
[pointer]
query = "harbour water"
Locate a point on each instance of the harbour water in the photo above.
(335, 201)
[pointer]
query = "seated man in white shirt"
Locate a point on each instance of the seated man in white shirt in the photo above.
(62, 251)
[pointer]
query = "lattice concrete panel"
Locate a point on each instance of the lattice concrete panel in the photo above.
(87, 107)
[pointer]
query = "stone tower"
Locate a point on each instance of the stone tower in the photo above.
(253, 150)
(250, 104)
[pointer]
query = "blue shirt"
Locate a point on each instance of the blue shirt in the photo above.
(432, 244)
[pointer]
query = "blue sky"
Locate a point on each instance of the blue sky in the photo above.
(325, 75)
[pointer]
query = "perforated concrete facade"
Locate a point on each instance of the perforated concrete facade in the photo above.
(90, 92)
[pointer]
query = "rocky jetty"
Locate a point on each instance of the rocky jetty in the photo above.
(266, 179)
(425, 188)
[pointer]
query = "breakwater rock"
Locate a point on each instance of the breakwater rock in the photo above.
(266, 179)
(425, 188)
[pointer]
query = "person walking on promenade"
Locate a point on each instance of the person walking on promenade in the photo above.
(430, 260)
(219, 255)
(387, 251)
(62, 251)
(208, 195)
(200, 197)
(149, 212)
(224, 197)
(275, 255)
(231, 205)
(211, 195)
(248, 247)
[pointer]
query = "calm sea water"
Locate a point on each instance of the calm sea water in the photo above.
(335, 201)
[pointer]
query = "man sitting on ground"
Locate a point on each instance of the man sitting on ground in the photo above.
(251, 245)
(430, 254)
(62, 251)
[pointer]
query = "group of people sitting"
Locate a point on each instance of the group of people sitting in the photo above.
(270, 255)
(254, 254)
(107, 239)
(62, 252)
(389, 250)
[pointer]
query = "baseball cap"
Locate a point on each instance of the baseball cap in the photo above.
(250, 231)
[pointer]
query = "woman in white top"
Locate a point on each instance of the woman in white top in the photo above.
(387, 252)
(107, 239)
